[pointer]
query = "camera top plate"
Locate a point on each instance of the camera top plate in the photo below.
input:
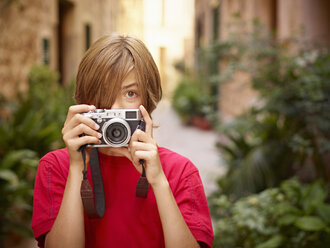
(126, 114)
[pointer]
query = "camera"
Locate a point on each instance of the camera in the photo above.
(116, 125)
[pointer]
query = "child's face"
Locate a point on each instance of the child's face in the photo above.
(129, 96)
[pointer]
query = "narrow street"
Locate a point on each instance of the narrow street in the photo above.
(195, 144)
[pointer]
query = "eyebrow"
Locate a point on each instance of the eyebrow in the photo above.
(129, 86)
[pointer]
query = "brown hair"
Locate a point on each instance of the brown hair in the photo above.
(106, 64)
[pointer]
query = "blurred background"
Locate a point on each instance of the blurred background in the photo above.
(246, 98)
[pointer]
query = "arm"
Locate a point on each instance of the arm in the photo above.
(175, 229)
(68, 228)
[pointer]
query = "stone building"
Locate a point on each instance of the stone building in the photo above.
(58, 32)
(309, 18)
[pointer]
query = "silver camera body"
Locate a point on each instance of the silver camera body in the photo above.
(116, 125)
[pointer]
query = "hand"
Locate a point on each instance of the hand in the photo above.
(143, 146)
(75, 125)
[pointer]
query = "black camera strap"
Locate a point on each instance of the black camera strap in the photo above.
(94, 202)
(142, 186)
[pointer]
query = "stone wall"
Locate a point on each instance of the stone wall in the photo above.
(166, 27)
(25, 26)
(237, 96)
(310, 20)
(306, 19)
(19, 22)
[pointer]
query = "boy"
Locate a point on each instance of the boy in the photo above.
(119, 73)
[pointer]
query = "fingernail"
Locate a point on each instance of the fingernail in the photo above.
(100, 135)
(97, 126)
(91, 107)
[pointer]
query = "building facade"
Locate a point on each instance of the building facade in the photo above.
(52, 32)
(169, 34)
(309, 19)
(58, 32)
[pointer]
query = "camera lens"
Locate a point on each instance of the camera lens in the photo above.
(116, 132)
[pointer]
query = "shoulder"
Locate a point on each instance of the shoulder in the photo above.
(174, 164)
(59, 154)
(56, 161)
(168, 154)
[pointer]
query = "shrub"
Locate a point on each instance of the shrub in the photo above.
(291, 216)
(189, 100)
(31, 127)
(286, 133)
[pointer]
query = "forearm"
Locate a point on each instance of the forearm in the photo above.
(176, 231)
(68, 229)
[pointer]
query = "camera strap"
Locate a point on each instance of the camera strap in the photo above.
(142, 186)
(93, 202)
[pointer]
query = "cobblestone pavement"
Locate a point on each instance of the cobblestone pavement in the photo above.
(195, 144)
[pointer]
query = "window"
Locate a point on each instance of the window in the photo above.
(45, 51)
(87, 36)
(215, 12)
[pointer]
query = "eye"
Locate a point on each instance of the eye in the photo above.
(131, 94)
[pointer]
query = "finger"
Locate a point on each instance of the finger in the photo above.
(135, 146)
(82, 129)
(77, 109)
(76, 143)
(134, 159)
(141, 136)
(140, 146)
(147, 119)
(78, 119)
(145, 155)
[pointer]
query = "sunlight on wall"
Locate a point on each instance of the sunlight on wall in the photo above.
(168, 33)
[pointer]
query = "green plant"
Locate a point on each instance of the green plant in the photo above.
(189, 100)
(287, 134)
(197, 93)
(291, 216)
(257, 153)
(30, 127)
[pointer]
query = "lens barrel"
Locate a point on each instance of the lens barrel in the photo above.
(116, 132)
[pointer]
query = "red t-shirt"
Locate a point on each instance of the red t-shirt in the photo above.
(128, 221)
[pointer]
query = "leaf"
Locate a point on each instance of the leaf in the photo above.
(9, 176)
(323, 211)
(314, 195)
(274, 242)
(17, 156)
(287, 219)
(310, 223)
